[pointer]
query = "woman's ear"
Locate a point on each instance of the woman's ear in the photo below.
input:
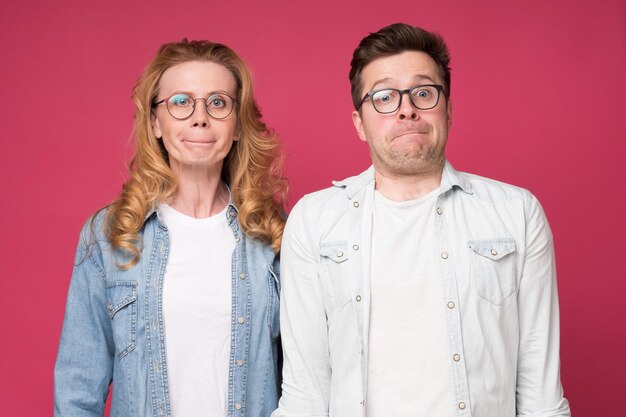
(156, 127)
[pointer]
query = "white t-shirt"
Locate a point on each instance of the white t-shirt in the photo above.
(197, 304)
(409, 372)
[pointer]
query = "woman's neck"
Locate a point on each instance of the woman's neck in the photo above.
(200, 193)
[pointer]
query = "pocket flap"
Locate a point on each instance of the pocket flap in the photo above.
(335, 251)
(493, 248)
(119, 295)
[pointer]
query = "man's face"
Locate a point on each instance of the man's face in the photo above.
(408, 141)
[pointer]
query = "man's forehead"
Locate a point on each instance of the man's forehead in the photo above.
(405, 67)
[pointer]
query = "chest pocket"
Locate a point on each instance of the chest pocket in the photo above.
(122, 308)
(334, 275)
(492, 268)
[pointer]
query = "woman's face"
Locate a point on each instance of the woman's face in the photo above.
(200, 141)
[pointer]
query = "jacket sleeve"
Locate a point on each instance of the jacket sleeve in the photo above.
(539, 390)
(306, 368)
(84, 365)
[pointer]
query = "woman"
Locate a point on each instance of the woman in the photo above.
(174, 294)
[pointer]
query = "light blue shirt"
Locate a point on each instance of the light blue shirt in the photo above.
(496, 262)
(113, 328)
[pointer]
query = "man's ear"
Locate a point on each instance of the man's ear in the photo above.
(449, 111)
(156, 128)
(358, 125)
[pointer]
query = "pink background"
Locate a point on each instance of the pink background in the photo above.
(539, 97)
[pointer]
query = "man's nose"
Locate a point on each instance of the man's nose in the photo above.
(407, 110)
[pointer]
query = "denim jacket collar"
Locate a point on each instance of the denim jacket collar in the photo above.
(231, 214)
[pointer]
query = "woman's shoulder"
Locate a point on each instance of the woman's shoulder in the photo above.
(94, 229)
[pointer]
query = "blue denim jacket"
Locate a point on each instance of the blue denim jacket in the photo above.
(113, 328)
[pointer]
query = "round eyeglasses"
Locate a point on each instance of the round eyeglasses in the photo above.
(388, 100)
(181, 105)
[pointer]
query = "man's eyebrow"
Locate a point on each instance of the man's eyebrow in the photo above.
(383, 80)
(425, 77)
(416, 77)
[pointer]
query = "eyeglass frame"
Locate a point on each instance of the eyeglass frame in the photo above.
(206, 105)
(440, 89)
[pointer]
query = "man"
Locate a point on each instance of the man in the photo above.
(413, 289)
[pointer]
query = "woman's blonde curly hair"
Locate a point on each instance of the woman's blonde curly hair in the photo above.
(252, 168)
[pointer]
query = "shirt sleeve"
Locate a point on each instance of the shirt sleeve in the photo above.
(84, 365)
(539, 391)
(306, 368)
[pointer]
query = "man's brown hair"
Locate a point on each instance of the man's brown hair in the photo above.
(392, 40)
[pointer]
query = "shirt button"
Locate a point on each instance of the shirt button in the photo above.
(241, 320)
(239, 362)
(494, 252)
(450, 305)
(439, 210)
(444, 255)
(462, 405)
(339, 254)
(355, 247)
(358, 297)
(456, 357)
(110, 306)
(242, 275)
(355, 204)
(237, 406)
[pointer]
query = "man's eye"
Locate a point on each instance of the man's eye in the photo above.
(423, 93)
(384, 96)
(180, 100)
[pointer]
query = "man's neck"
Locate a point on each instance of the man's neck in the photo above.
(407, 187)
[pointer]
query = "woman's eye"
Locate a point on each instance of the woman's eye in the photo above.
(180, 100)
(218, 102)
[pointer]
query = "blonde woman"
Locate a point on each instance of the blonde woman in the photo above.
(174, 295)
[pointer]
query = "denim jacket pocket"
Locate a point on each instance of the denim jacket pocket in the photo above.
(333, 272)
(121, 299)
(273, 304)
(492, 268)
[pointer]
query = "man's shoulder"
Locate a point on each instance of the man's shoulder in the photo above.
(485, 188)
(337, 195)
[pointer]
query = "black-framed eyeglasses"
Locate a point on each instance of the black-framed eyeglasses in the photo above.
(388, 100)
(182, 105)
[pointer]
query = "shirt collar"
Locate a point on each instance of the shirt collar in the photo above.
(450, 179)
